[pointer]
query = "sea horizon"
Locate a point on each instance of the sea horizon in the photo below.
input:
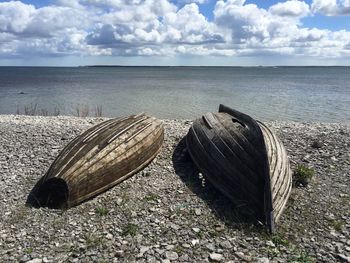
(175, 66)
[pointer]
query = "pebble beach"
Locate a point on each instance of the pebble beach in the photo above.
(167, 212)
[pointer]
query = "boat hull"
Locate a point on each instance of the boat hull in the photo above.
(98, 159)
(244, 160)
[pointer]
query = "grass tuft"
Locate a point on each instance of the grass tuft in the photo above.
(34, 110)
(279, 241)
(93, 241)
(31, 109)
(303, 257)
(151, 197)
(130, 229)
(82, 111)
(302, 175)
(98, 111)
(101, 211)
(337, 225)
(28, 250)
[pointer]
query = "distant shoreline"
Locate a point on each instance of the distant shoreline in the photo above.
(159, 66)
(10, 117)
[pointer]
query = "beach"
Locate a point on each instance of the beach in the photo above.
(166, 213)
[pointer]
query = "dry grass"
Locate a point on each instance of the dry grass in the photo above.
(31, 109)
(98, 111)
(34, 110)
(81, 110)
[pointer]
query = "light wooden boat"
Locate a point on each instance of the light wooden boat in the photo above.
(97, 160)
(245, 160)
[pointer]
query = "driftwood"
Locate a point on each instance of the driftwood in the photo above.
(97, 160)
(244, 160)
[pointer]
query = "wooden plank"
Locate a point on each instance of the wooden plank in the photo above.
(77, 148)
(280, 172)
(116, 174)
(99, 152)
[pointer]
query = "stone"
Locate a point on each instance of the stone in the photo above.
(270, 243)
(171, 255)
(119, 201)
(216, 257)
(143, 249)
(196, 229)
(35, 260)
(184, 257)
(262, 260)
(119, 253)
(316, 144)
(25, 258)
(242, 256)
(210, 247)
(226, 244)
(195, 242)
(198, 211)
(344, 258)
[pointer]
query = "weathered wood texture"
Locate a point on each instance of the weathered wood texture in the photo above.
(280, 172)
(98, 159)
(244, 161)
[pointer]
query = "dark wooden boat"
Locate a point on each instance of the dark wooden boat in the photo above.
(245, 160)
(98, 159)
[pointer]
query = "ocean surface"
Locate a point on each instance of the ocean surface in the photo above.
(266, 93)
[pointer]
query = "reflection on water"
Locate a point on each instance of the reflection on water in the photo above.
(283, 93)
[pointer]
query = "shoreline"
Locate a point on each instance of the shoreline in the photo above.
(163, 213)
(101, 118)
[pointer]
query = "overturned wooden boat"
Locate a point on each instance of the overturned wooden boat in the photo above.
(97, 160)
(245, 160)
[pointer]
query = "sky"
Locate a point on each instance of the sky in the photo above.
(175, 32)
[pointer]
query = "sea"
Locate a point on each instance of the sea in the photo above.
(303, 94)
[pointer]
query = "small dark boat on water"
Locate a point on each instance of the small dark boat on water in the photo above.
(97, 160)
(245, 160)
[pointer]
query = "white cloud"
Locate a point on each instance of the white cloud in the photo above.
(291, 8)
(15, 16)
(131, 33)
(19, 18)
(188, 25)
(310, 35)
(331, 7)
(160, 28)
(243, 21)
(47, 21)
(47, 31)
(256, 31)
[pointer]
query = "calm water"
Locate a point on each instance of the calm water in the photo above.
(283, 93)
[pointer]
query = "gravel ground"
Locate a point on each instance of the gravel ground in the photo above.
(166, 213)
